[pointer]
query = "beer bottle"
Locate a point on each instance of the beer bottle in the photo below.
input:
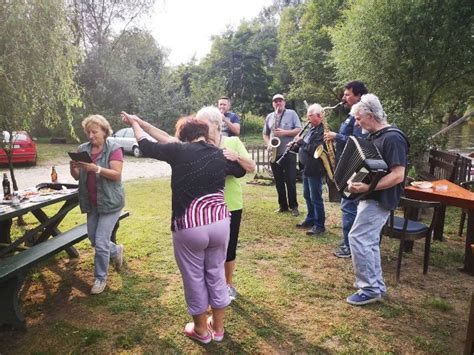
(54, 175)
(6, 187)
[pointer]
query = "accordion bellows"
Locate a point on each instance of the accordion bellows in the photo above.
(360, 161)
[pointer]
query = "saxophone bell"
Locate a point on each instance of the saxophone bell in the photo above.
(327, 154)
(274, 144)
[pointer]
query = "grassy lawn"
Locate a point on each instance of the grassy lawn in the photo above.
(291, 291)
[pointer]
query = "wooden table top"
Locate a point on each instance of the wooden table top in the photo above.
(454, 195)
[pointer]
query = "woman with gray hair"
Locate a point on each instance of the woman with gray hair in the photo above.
(200, 218)
(233, 150)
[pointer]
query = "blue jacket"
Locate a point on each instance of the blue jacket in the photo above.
(348, 128)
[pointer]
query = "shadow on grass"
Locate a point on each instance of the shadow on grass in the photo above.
(266, 327)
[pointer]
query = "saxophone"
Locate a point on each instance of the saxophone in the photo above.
(328, 155)
(274, 141)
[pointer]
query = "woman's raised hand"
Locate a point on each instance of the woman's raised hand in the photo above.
(128, 119)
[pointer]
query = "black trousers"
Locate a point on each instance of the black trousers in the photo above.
(235, 218)
(285, 181)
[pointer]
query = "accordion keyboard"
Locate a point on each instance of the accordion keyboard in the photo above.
(360, 161)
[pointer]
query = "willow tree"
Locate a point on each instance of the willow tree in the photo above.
(37, 67)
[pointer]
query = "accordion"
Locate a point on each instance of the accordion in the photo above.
(360, 161)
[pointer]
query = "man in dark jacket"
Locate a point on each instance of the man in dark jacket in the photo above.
(313, 172)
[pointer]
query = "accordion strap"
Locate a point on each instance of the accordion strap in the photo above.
(381, 132)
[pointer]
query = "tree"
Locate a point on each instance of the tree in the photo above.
(37, 67)
(416, 55)
(93, 21)
(305, 46)
(237, 66)
(129, 74)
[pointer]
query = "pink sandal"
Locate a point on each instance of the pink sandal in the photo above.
(190, 332)
(217, 336)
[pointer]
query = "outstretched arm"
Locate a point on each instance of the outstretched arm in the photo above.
(160, 135)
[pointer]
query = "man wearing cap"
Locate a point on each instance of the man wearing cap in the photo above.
(284, 124)
(230, 121)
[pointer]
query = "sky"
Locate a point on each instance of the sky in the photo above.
(185, 27)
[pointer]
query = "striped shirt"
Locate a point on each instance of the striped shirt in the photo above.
(198, 172)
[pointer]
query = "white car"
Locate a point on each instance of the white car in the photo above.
(126, 139)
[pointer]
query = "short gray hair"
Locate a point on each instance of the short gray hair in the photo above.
(316, 109)
(211, 114)
(369, 103)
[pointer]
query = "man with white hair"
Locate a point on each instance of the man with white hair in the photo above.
(373, 211)
(313, 172)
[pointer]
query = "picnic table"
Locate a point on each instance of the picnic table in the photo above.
(18, 256)
(56, 193)
(451, 195)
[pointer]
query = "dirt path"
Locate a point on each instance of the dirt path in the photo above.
(31, 176)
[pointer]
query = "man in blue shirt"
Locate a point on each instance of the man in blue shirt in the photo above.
(352, 94)
(231, 122)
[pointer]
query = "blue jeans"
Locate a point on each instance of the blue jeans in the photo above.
(365, 248)
(349, 212)
(99, 229)
(313, 195)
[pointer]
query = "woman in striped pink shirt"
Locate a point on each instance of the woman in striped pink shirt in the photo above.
(200, 219)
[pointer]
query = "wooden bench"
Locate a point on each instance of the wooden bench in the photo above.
(441, 165)
(447, 165)
(13, 271)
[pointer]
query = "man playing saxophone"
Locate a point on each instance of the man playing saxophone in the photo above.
(279, 129)
(352, 94)
(313, 172)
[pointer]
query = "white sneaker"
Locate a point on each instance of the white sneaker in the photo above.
(98, 286)
(118, 259)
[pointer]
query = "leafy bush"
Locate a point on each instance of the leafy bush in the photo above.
(252, 124)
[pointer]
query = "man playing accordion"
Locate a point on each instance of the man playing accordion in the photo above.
(374, 209)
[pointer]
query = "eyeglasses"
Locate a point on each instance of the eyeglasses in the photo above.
(366, 104)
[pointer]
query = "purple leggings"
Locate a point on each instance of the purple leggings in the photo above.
(200, 253)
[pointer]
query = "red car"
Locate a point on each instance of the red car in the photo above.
(24, 148)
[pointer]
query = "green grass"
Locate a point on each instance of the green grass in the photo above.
(439, 304)
(50, 154)
(291, 290)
